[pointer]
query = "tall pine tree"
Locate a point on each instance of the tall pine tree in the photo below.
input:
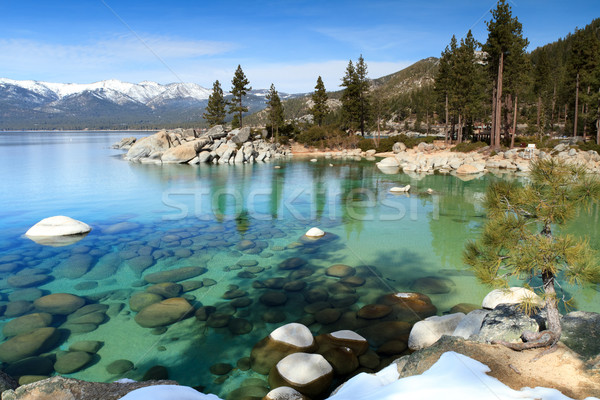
(355, 100)
(215, 109)
(444, 83)
(505, 41)
(363, 93)
(239, 89)
(319, 97)
(275, 110)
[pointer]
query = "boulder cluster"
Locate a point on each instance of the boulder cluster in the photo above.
(190, 146)
(501, 318)
(428, 158)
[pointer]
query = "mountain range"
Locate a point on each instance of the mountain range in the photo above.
(106, 104)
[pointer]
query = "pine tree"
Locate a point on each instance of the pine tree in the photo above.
(355, 100)
(350, 106)
(215, 109)
(239, 89)
(467, 82)
(518, 239)
(319, 109)
(444, 82)
(363, 93)
(541, 88)
(275, 110)
(505, 41)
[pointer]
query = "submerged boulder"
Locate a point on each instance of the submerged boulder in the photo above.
(164, 313)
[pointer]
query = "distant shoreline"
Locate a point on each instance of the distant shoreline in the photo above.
(79, 130)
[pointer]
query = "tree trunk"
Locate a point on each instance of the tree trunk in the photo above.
(514, 128)
(499, 102)
(585, 109)
(459, 138)
(551, 305)
(539, 113)
(493, 127)
(553, 105)
(447, 132)
(576, 106)
(598, 120)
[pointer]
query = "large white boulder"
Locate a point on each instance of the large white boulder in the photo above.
(388, 162)
(315, 233)
(512, 295)
(58, 231)
(425, 333)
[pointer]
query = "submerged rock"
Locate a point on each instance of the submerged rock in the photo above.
(26, 324)
(164, 313)
(59, 303)
(28, 344)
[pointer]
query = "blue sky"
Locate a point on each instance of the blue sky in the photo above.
(288, 43)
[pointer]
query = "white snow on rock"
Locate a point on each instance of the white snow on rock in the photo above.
(348, 335)
(453, 377)
(293, 333)
(303, 368)
(315, 232)
(167, 392)
(58, 226)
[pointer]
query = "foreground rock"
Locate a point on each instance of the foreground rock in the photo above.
(430, 330)
(60, 388)
(58, 231)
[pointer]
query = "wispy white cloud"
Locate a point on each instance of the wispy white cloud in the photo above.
(109, 55)
(376, 38)
(127, 59)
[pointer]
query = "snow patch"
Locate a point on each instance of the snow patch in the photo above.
(453, 377)
(167, 392)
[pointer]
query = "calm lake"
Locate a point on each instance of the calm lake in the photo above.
(239, 222)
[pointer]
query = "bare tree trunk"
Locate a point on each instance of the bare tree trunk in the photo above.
(585, 109)
(566, 110)
(447, 132)
(460, 132)
(553, 105)
(539, 113)
(514, 127)
(598, 120)
(493, 127)
(576, 106)
(499, 102)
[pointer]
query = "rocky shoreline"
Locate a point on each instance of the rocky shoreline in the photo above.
(216, 146)
(429, 158)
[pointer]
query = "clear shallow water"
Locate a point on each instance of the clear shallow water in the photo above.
(183, 216)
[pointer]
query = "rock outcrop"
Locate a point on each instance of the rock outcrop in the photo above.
(215, 146)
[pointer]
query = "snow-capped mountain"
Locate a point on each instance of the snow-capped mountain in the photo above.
(106, 104)
(118, 91)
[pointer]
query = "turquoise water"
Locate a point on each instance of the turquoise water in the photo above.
(239, 222)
